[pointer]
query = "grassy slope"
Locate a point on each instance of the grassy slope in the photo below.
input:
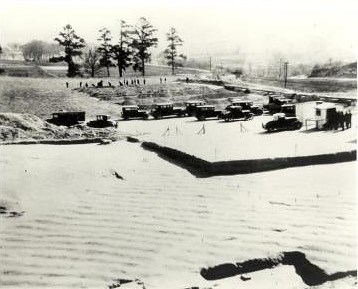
(27, 69)
(311, 84)
(44, 96)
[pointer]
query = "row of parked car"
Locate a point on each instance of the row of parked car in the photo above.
(237, 110)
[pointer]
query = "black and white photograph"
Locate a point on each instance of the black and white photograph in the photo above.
(178, 144)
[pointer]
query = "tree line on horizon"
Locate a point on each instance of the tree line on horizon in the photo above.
(131, 50)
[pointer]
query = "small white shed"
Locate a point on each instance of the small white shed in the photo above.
(306, 110)
(315, 112)
(323, 111)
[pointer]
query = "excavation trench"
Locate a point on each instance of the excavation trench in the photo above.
(311, 274)
(201, 168)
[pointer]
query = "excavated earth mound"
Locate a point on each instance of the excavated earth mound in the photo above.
(15, 127)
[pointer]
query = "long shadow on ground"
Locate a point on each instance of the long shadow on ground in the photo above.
(311, 274)
(201, 168)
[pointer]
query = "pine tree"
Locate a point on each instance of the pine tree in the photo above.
(143, 39)
(73, 45)
(121, 52)
(105, 49)
(171, 52)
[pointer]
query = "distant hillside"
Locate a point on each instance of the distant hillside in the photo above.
(326, 70)
(22, 68)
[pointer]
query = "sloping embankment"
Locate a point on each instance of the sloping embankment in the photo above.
(202, 168)
(16, 128)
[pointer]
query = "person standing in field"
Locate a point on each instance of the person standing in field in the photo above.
(341, 119)
(349, 119)
(335, 120)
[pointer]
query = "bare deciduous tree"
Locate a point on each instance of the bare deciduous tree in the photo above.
(91, 60)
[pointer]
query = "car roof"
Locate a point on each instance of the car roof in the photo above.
(125, 106)
(279, 114)
(164, 103)
(68, 112)
(194, 101)
(242, 101)
(207, 105)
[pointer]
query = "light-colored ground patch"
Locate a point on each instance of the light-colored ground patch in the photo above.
(83, 227)
(240, 139)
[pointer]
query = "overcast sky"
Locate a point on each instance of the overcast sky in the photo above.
(301, 30)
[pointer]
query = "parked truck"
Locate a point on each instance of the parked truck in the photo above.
(206, 111)
(161, 110)
(67, 118)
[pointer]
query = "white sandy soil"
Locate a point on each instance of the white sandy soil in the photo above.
(240, 139)
(83, 227)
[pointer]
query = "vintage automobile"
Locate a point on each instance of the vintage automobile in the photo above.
(191, 105)
(67, 118)
(288, 109)
(203, 112)
(275, 103)
(235, 112)
(133, 111)
(281, 122)
(161, 110)
(101, 121)
(249, 105)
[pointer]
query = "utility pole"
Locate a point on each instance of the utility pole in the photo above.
(285, 69)
(210, 63)
(280, 67)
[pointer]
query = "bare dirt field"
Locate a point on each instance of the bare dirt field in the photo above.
(82, 216)
(239, 139)
(82, 227)
(45, 96)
